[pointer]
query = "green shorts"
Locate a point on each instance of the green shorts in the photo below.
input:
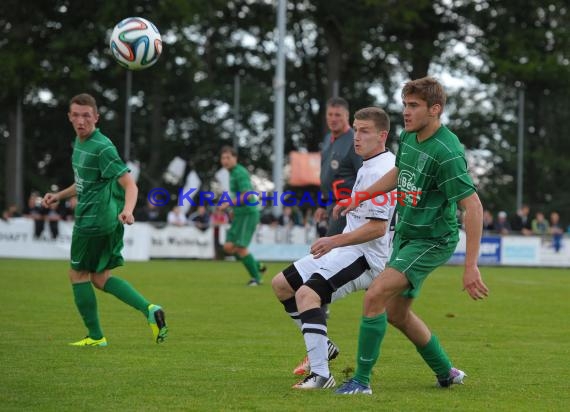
(242, 229)
(417, 258)
(96, 254)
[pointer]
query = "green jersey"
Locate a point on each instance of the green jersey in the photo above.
(240, 182)
(100, 198)
(437, 171)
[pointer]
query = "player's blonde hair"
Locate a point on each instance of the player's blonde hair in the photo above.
(377, 115)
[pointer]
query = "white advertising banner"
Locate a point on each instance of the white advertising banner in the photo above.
(181, 242)
(17, 241)
(270, 243)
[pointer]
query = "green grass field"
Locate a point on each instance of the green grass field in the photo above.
(233, 348)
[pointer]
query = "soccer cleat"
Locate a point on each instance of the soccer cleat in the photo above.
(353, 387)
(157, 322)
(327, 311)
(333, 350)
(314, 381)
(253, 282)
(304, 367)
(87, 341)
(455, 378)
(262, 268)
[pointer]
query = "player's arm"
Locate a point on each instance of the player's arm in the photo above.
(385, 184)
(473, 222)
(131, 192)
(51, 198)
(372, 229)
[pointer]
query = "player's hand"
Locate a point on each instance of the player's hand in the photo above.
(322, 246)
(48, 199)
(473, 284)
(126, 218)
(344, 206)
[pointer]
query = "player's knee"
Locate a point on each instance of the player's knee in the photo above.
(306, 296)
(317, 286)
(281, 287)
(229, 248)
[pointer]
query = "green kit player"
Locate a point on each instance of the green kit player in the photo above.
(106, 196)
(431, 172)
(246, 215)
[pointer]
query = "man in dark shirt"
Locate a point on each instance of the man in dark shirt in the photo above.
(339, 162)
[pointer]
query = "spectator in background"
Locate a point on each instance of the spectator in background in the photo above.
(37, 212)
(308, 219)
(502, 225)
(540, 225)
(521, 221)
(176, 217)
(339, 162)
(11, 212)
(149, 213)
(218, 218)
(200, 219)
(53, 217)
(267, 217)
(556, 230)
(68, 209)
(289, 217)
(488, 221)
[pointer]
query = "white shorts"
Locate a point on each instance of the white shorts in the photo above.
(329, 266)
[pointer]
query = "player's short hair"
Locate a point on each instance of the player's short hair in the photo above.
(338, 102)
(228, 149)
(84, 99)
(428, 89)
(377, 115)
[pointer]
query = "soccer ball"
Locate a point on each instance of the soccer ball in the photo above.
(136, 43)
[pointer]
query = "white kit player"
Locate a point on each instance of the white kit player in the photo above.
(344, 263)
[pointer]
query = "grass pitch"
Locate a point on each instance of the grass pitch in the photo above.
(233, 348)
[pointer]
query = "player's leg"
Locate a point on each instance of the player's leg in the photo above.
(83, 293)
(427, 344)
(314, 329)
(374, 321)
(337, 269)
(418, 259)
(242, 234)
(109, 248)
(86, 303)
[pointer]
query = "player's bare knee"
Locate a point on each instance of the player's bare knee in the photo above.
(306, 296)
(281, 287)
(229, 248)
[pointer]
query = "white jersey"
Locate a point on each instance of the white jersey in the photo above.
(376, 251)
(342, 266)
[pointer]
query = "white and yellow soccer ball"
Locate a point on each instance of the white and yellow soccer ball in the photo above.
(136, 43)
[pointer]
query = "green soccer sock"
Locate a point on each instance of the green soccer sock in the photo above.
(436, 358)
(123, 291)
(86, 303)
(372, 331)
(252, 266)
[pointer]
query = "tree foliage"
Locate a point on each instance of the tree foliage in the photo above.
(362, 50)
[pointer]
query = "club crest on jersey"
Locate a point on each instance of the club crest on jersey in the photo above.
(422, 160)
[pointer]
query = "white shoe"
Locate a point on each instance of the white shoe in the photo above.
(314, 381)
